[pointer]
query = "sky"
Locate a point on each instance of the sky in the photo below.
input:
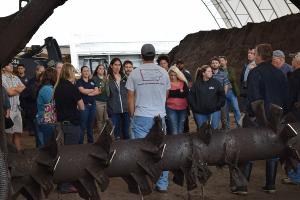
(120, 20)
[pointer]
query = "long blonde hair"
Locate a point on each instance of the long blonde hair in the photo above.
(67, 72)
(178, 73)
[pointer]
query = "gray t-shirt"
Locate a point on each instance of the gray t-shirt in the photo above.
(150, 84)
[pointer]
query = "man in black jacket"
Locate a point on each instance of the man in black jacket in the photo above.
(294, 97)
(265, 82)
(243, 79)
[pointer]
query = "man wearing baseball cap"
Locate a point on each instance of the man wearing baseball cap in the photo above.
(147, 87)
(294, 97)
(278, 60)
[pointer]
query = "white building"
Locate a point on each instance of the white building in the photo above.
(94, 53)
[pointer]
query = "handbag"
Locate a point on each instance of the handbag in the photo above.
(8, 122)
(50, 116)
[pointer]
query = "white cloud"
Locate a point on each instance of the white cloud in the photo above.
(121, 20)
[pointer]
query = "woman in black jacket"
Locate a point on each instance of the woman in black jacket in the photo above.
(117, 99)
(206, 98)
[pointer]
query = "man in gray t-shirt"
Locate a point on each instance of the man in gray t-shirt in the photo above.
(147, 87)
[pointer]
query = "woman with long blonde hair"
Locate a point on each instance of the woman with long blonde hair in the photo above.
(177, 101)
(68, 102)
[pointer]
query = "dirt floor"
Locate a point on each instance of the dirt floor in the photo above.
(217, 187)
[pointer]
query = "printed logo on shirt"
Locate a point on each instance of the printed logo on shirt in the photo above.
(211, 88)
(151, 74)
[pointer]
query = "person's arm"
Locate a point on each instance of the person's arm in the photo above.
(131, 102)
(80, 104)
(7, 113)
(192, 97)
(225, 89)
(20, 88)
(221, 96)
(85, 91)
(12, 91)
(95, 92)
(253, 82)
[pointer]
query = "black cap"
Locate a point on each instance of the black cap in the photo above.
(148, 50)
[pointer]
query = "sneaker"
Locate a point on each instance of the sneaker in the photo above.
(288, 181)
(269, 189)
(160, 190)
(239, 190)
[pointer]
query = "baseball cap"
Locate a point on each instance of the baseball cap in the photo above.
(278, 53)
(51, 63)
(148, 50)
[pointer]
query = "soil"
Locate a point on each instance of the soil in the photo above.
(198, 48)
(217, 187)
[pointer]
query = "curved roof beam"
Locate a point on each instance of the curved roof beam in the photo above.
(296, 3)
(234, 12)
(224, 13)
(257, 6)
(211, 13)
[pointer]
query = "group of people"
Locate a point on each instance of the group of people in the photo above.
(131, 98)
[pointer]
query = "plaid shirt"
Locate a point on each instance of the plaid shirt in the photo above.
(9, 81)
(222, 77)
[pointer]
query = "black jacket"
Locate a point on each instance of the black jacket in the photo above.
(265, 82)
(206, 96)
(294, 87)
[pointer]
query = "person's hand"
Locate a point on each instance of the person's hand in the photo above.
(253, 65)
(7, 114)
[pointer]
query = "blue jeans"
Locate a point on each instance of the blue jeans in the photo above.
(121, 121)
(215, 119)
(295, 175)
(231, 100)
(87, 118)
(46, 131)
(140, 128)
(176, 119)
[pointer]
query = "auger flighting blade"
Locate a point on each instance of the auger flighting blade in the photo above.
(157, 133)
(87, 188)
(259, 111)
(106, 136)
(205, 133)
(152, 170)
(288, 132)
(276, 113)
(100, 177)
(144, 186)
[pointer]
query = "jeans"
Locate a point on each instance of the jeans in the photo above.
(121, 121)
(295, 175)
(46, 131)
(140, 128)
(215, 119)
(231, 100)
(176, 119)
(87, 117)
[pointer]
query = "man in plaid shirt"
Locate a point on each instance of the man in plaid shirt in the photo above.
(14, 87)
